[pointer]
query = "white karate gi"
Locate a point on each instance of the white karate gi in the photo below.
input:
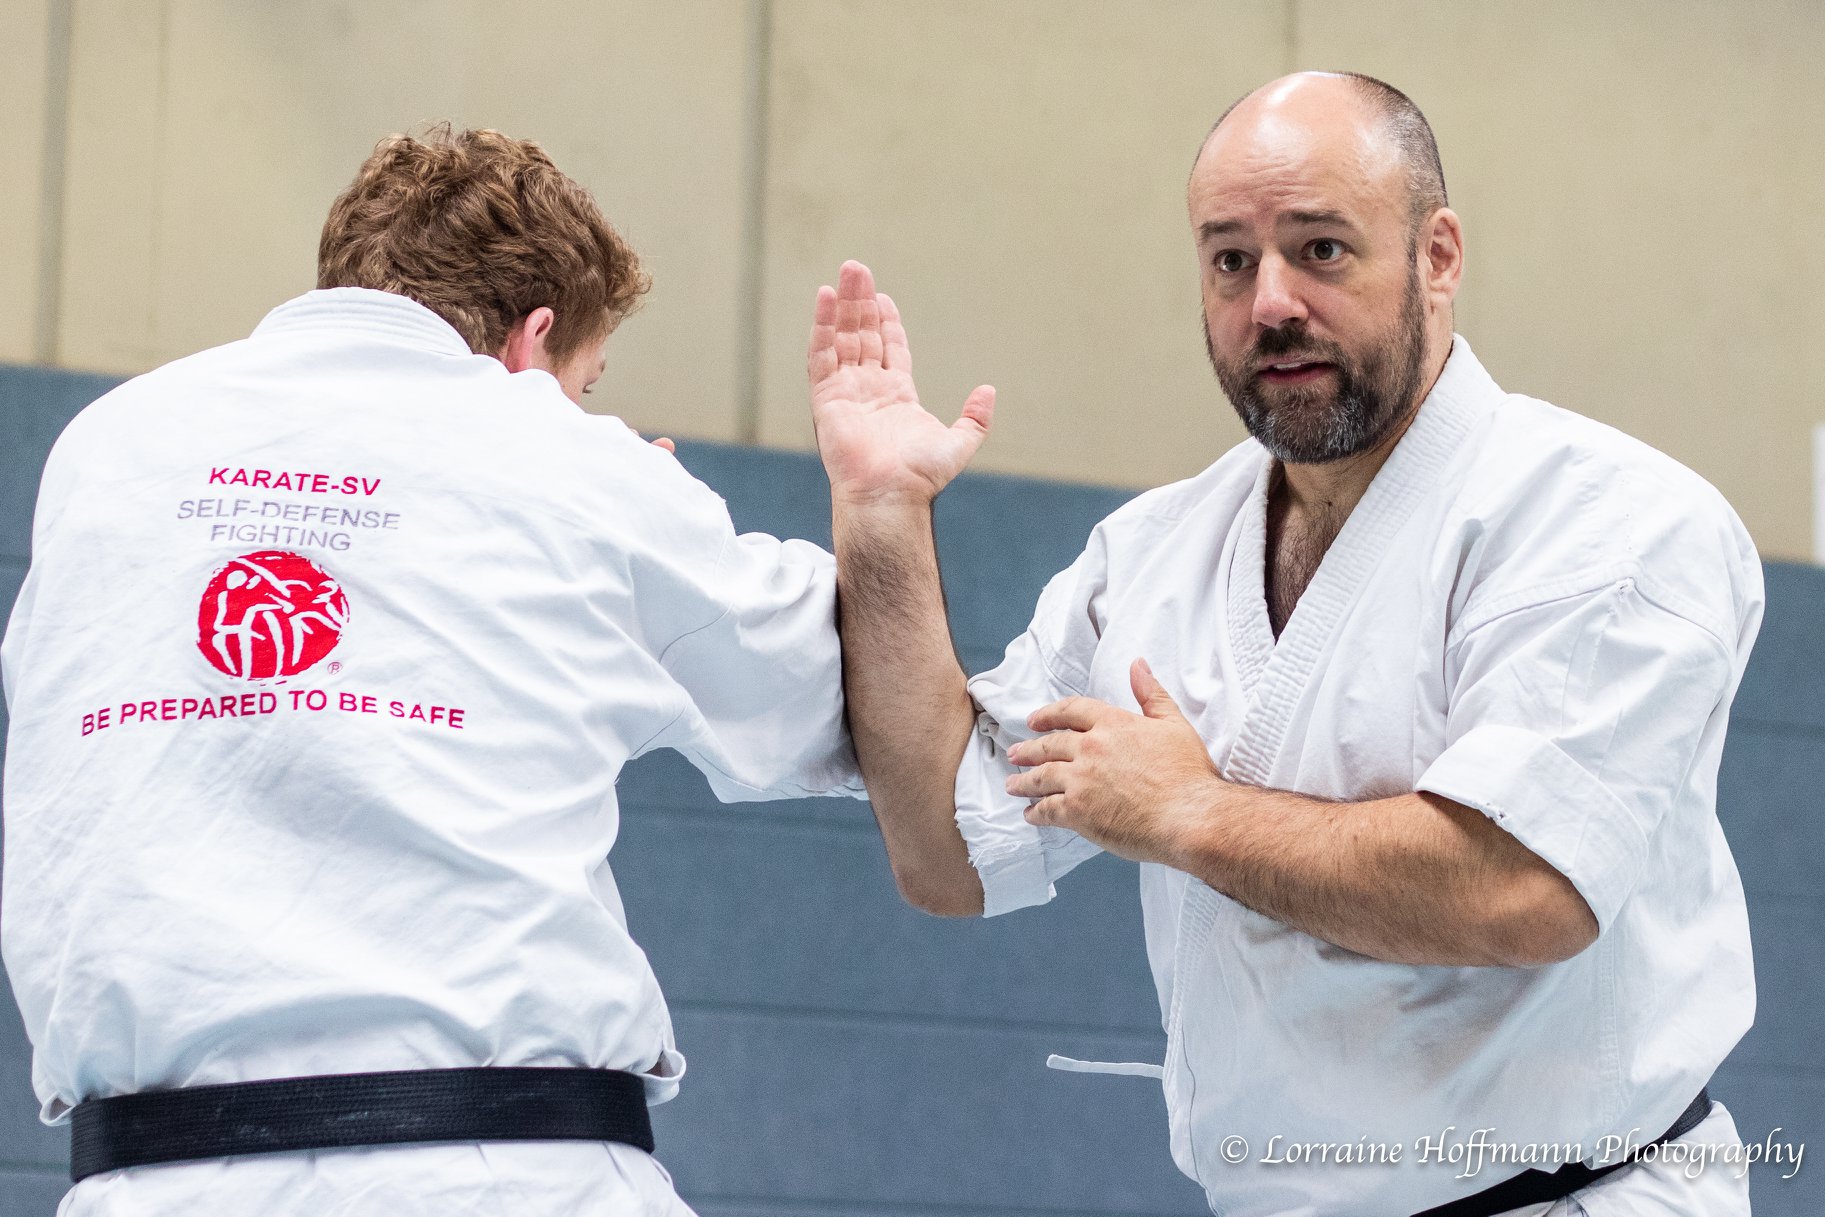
(1529, 613)
(350, 810)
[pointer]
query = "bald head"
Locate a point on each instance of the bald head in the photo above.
(1381, 113)
(1328, 262)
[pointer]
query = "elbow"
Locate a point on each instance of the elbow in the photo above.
(1545, 921)
(960, 896)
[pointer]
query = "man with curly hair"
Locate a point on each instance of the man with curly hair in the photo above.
(334, 642)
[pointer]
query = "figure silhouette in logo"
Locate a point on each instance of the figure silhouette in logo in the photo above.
(268, 615)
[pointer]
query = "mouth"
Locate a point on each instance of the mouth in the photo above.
(1292, 371)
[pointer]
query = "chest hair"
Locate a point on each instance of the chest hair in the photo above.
(1296, 544)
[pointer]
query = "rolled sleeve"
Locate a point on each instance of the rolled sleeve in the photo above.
(1552, 805)
(1576, 724)
(1019, 862)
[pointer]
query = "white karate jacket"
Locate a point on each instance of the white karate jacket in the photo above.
(334, 642)
(1529, 613)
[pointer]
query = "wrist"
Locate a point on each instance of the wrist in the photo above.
(1194, 842)
(884, 501)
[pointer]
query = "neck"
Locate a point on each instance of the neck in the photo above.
(1334, 488)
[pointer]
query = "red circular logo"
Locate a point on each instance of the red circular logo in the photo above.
(270, 614)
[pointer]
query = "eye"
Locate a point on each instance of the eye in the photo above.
(1230, 261)
(1325, 249)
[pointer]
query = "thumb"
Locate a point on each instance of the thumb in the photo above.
(1151, 694)
(978, 412)
(971, 427)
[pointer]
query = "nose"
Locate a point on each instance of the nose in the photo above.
(1277, 299)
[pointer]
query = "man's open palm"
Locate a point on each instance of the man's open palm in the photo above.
(876, 440)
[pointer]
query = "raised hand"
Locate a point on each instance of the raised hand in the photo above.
(877, 442)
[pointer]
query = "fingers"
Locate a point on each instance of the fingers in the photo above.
(1047, 811)
(1038, 783)
(858, 317)
(895, 354)
(849, 312)
(869, 331)
(667, 444)
(853, 325)
(1059, 746)
(820, 355)
(1071, 714)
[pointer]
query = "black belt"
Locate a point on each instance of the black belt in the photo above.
(1537, 1187)
(353, 1109)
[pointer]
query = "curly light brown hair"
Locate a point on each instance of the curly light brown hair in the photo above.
(481, 229)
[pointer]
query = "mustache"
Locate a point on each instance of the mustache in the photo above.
(1292, 339)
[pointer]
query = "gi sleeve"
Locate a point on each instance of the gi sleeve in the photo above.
(745, 626)
(1017, 861)
(765, 677)
(1576, 723)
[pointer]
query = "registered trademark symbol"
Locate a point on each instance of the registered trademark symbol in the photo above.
(335, 667)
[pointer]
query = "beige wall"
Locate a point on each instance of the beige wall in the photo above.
(1643, 190)
(25, 90)
(1019, 189)
(207, 138)
(1642, 186)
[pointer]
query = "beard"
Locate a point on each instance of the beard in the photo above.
(1315, 424)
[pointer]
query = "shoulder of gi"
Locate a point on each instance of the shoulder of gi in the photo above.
(1128, 552)
(1550, 504)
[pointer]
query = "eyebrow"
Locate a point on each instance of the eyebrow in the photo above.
(1223, 228)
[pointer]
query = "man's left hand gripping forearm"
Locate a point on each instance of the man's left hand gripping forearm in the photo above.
(1415, 879)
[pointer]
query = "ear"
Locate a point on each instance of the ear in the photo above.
(525, 345)
(1441, 254)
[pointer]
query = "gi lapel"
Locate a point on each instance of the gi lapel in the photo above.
(1251, 636)
(1275, 674)
(1412, 471)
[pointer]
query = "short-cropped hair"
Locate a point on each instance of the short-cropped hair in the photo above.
(481, 229)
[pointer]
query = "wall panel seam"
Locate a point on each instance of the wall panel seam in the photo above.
(1805, 728)
(161, 107)
(1806, 904)
(754, 225)
(644, 809)
(1796, 1071)
(51, 186)
(936, 1022)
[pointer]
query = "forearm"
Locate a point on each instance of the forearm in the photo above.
(1414, 879)
(910, 712)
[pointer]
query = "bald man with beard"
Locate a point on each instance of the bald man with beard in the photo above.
(1409, 707)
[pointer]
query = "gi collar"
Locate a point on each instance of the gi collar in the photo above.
(364, 310)
(1463, 379)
